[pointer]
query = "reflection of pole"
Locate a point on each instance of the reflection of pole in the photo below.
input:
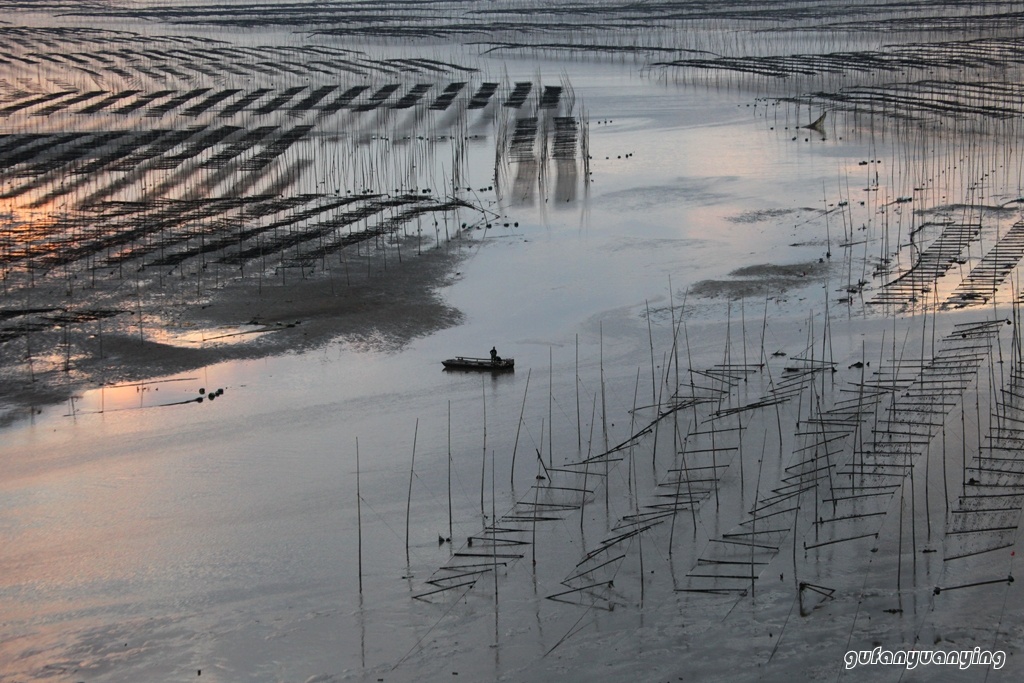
(359, 520)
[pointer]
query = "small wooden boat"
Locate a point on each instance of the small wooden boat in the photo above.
(486, 364)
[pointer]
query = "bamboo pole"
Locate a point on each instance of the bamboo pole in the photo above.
(515, 446)
(604, 414)
(483, 460)
(579, 433)
(408, 502)
(551, 424)
(450, 534)
(359, 521)
(650, 340)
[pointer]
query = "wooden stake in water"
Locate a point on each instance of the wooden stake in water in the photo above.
(359, 520)
(551, 424)
(764, 329)
(650, 341)
(579, 433)
(536, 495)
(657, 423)
(512, 473)
(828, 234)
(632, 425)
(675, 355)
(899, 552)
(494, 517)
(689, 492)
(604, 417)
(483, 460)
(757, 497)
(408, 502)
(743, 327)
(450, 470)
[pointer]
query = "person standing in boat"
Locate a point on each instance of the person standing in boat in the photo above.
(495, 358)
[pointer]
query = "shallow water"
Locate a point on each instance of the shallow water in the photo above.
(154, 537)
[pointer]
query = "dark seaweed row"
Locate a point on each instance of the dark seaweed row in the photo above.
(975, 526)
(413, 96)
(378, 98)
(64, 104)
(244, 101)
(146, 227)
(931, 264)
(550, 97)
(344, 99)
(969, 54)
(210, 102)
(331, 240)
(853, 493)
(40, 322)
(163, 142)
(521, 145)
(286, 240)
(276, 148)
(928, 98)
(183, 64)
(451, 19)
(981, 283)
(228, 233)
(519, 94)
(445, 99)
(163, 102)
(126, 151)
(248, 139)
(176, 102)
(39, 99)
(566, 137)
(59, 39)
(64, 155)
(280, 100)
(42, 144)
(108, 101)
(175, 231)
(482, 96)
(314, 98)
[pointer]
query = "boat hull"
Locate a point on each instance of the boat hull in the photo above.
(480, 364)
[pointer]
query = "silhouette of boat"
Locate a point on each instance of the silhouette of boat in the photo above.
(483, 364)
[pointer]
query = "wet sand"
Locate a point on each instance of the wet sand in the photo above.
(375, 309)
